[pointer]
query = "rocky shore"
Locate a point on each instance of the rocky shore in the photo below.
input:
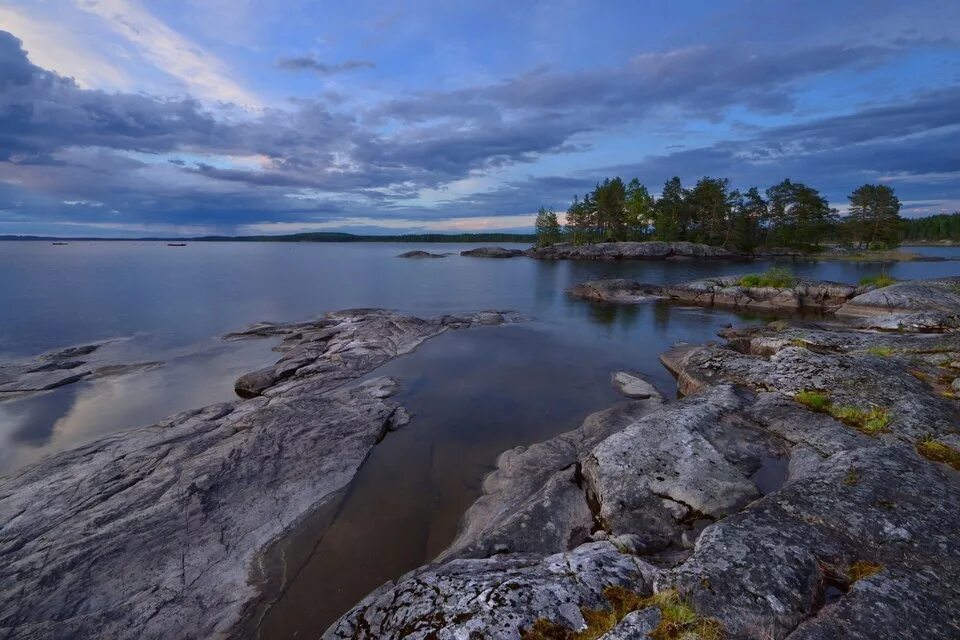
(807, 486)
(159, 531)
(655, 250)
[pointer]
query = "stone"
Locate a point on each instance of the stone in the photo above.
(636, 625)
(633, 386)
(492, 252)
(630, 251)
(495, 598)
(421, 254)
(160, 531)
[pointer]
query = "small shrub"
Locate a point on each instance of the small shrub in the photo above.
(816, 400)
(880, 280)
(939, 452)
(776, 277)
(882, 352)
(863, 569)
(877, 246)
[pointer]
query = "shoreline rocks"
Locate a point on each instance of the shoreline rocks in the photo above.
(791, 493)
(821, 296)
(654, 250)
(492, 252)
(421, 254)
(159, 531)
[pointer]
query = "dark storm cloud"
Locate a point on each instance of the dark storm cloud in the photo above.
(314, 64)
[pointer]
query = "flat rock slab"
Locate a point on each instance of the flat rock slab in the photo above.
(157, 532)
(633, 386)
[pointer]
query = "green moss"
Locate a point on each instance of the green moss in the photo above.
(939, 452)
(816, 400)
(882, 352)
(803, 344)
(863, 569)
(880, 280)
(677, 619)
(776, 277)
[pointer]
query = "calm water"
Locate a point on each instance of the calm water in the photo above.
(474, 393)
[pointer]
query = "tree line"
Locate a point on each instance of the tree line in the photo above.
(943, 226)
(789, 214)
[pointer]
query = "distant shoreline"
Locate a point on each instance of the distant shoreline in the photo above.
(299, 237)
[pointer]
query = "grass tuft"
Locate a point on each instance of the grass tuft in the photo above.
(776, 277)
(879, 281)
(939, 452)
(863, 569)
(871, 422)
(881, 352)
(678, 620)
(816, 400)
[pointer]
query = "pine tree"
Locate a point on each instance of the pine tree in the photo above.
(671, 213)
(874, 219)
(548, 227)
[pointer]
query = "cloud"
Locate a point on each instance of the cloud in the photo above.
(314, 64)
(203, 74)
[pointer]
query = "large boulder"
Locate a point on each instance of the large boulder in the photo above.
(492, 252)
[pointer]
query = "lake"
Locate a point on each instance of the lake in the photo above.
(473, 393)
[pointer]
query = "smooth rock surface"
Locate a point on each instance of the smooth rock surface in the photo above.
(421, 254)
(158, 531)
(633, 386)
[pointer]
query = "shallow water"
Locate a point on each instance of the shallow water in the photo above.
(474, 392)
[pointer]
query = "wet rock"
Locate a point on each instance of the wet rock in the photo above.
(159, 531)
(940, 295)
(633, 386)
(630, 251)
(495, 598)
(492, 252)
(617, 290)
(534, 500)
(421, 254)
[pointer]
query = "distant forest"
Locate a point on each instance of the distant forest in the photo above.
(944, 226)
(788, 214)
(318, 237)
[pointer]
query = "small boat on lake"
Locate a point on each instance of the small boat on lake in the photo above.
(176, 244)
(60, 244)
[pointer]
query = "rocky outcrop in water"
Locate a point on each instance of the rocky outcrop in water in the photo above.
(421, 254)
(724, 291)
(807, 487)
(492, 252)
(656, 250)
(913, 304)
(58, 368)
(158, 531)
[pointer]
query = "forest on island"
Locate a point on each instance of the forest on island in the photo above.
(943, 226)
(789, 214)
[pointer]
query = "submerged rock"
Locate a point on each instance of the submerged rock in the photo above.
(158, 531)
(656, 250)
(48, 371)
(633, 386)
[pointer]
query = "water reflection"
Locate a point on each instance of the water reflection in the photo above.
(52, 421)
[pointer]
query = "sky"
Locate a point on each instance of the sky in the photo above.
(191, 117)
